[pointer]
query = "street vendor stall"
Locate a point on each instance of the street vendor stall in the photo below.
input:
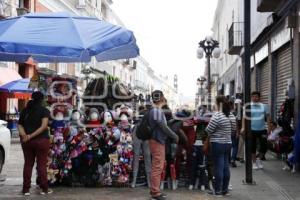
(100, 155)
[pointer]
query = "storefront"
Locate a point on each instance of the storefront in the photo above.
(283, 74)
(264, 80)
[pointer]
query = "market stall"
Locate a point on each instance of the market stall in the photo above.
(100, 154)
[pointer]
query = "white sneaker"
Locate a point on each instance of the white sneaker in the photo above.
(26, 194)
(259, 164)
(48, 192)
(162, 185)
(255, 166)
(191, 187)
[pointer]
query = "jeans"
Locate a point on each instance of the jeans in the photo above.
(198, 168)
(220, 155)
(235, 147)
(36, 149)
(158, 162)
(138, 146)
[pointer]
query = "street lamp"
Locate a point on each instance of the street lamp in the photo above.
(210, 47)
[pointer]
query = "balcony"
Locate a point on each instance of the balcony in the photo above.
(235, 39)
(22, 11)
(268, 5)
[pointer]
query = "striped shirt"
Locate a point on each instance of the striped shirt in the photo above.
(221, 127)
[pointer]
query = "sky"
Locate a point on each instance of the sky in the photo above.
(168, 33)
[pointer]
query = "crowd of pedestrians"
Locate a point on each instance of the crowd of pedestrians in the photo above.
(206, 142)
(212, 141)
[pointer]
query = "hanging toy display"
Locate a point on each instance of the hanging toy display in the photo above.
(123, 166)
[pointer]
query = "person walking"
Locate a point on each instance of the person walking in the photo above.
(220, 129)
(34, 135)
(259, 116)
(161, 132)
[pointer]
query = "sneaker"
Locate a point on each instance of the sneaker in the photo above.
(161, 197)
(191, 187)
(259, 164)
(255, 166)
(233, 164)
(164, 195)
(47, 192)
(215, 194)
(202, 188)
(26, 194)
(226, 193)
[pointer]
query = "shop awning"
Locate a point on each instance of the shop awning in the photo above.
(8, 75)
(21, 85)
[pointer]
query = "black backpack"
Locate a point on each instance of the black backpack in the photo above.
(143, 128)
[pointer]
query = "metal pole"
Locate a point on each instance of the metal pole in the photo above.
(247, 89)
(208, 82)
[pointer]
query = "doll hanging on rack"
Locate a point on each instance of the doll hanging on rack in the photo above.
(93, 119)
(123, 167)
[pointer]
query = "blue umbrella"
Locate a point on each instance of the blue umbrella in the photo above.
(20, 85)
(62, 37)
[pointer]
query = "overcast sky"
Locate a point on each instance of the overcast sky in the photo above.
(168, 32)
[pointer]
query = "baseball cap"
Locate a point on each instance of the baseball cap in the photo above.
(157, 95)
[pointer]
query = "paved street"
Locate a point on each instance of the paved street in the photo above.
(272, 183)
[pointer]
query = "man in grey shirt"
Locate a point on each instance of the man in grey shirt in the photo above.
(161, 132)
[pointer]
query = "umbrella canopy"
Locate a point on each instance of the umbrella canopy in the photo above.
(20, 85)
(7, 75)
(62, 37)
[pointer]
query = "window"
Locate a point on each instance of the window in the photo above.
(104, 11)
(77, 69)
(81, 3)
(24, 4)
(62, 68)
(43, 65)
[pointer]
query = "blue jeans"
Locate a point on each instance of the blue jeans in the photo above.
(221, 155)
(198, 169)
(235, 147)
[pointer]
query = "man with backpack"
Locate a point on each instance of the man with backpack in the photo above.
(155, 122)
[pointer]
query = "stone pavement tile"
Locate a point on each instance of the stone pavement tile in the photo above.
(271, 183)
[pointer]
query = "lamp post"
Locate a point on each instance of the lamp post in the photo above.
(201, 81)
(210, 47)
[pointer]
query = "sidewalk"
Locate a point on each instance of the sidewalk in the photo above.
(272, 183)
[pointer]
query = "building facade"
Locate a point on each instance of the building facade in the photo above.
(274, 50)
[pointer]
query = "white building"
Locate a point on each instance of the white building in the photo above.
(228, 68)
(274, 49)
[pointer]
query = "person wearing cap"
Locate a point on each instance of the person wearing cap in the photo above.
(161, 132)
(34, 134)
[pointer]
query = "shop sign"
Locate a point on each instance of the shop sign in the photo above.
(261, 54)
(281, 38)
